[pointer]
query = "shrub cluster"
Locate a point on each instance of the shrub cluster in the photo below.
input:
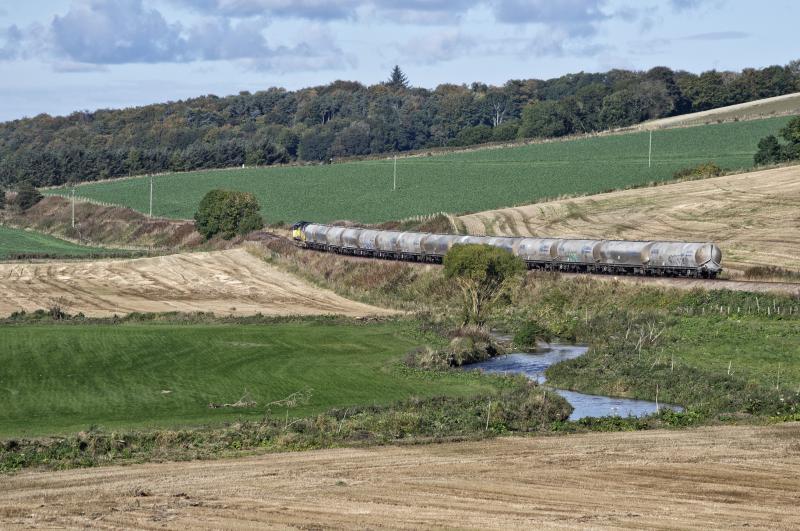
(701, 171)
(228, 213)
(529, 333)
(468, 344)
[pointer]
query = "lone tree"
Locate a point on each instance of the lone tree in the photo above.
(27, 196)
(483, 273)
(227, 213)
(398, 79)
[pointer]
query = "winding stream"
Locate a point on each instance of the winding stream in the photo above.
(533, 366)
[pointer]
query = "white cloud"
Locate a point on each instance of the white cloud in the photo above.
(95, 33)
(437, 47)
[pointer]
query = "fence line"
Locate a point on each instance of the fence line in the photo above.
(755, 309)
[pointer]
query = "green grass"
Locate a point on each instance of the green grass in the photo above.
(458, 182)
(762, 350)
(57, 379)
(689, 363)
(15, 242)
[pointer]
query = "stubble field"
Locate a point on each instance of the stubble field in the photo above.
(232, 282)
(719, 477)
(754, 217)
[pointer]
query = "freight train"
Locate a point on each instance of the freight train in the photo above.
(619, 257)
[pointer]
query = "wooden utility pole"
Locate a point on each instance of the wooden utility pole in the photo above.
(394, 186)
(151, 196)
(73, 207)
(650, 151)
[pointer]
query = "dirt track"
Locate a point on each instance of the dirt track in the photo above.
(224, 282)
(754, 217)
(720, 477)
(775, 106)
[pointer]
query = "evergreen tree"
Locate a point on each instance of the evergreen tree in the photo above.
(398, 79)
(27, 196)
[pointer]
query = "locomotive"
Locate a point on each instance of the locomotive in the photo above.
(619, 257)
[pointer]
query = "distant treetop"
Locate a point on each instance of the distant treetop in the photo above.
(397, 79)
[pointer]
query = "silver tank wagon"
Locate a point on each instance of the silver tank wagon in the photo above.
(694, 259)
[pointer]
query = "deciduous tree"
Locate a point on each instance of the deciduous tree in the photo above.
(227, 213)
(483, 273)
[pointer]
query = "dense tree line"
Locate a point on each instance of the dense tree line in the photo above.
(346, 118)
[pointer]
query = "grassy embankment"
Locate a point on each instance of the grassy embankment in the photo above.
(457, 182)
(16, 243)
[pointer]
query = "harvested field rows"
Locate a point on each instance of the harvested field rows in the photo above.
(225, 282)
(721, 477)
(754, 217)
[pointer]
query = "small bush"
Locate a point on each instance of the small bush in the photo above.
(468, 344)
(529, 333)
(701, 171)
(470, 136)
(505, 132)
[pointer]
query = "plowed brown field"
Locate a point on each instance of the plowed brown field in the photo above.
(754, 217)
(721, 477)
(230, 282)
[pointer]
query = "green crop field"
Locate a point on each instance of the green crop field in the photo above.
(457, 182)
(64, 378)
(14, 242)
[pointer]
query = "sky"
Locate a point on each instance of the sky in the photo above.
(60, 56)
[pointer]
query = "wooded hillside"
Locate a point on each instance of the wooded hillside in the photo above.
(346, 118)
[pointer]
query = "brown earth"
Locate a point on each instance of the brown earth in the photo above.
(104, 225)
(754, 217)
(232, 282)
(752, 110)
(720, 477)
